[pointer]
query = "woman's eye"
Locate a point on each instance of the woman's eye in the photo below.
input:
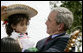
(21, 24)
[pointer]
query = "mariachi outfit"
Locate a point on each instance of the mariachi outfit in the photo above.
(24, 39)
(19, 9)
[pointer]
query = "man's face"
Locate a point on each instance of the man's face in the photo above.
(21, 27)
(52, 26)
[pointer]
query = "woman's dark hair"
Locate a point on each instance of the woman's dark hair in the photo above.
(14, 20)
(10, 45)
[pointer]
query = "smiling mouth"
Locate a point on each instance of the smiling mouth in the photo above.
(23, 30)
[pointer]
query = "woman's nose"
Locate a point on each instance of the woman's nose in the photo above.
(25, 27)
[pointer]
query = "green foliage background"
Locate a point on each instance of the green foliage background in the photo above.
(76, 8)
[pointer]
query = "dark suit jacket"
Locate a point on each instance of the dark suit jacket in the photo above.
(57, 44)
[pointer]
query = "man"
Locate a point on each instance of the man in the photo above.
(59, 21)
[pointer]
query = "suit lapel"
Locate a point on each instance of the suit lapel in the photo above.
(50, 43)
(42, 43)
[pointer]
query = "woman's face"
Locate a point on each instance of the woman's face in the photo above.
(21, 27)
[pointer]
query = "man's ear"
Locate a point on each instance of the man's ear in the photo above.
(13, 26)
(61, 27)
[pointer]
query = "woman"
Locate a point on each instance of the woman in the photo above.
(16, 19)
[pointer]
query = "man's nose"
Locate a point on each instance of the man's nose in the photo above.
(46, 23)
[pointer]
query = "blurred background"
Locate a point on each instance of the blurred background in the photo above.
(37, 27)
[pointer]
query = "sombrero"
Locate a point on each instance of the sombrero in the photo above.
(19, 8)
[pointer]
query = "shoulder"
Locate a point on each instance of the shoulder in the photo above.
(41, 41)
(60, 43)
(64, 38)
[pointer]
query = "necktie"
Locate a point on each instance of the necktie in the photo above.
(48, 39)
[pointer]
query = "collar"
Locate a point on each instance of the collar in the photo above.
(15, 35)
(55, 35)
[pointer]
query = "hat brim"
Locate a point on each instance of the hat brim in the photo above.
(19, 9)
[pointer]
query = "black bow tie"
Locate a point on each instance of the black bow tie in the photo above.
(49, 38)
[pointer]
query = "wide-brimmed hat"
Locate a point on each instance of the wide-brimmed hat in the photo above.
(19, 8)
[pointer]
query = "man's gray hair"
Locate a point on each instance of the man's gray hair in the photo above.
(64, 16)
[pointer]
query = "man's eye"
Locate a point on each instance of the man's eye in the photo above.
(27, 24)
